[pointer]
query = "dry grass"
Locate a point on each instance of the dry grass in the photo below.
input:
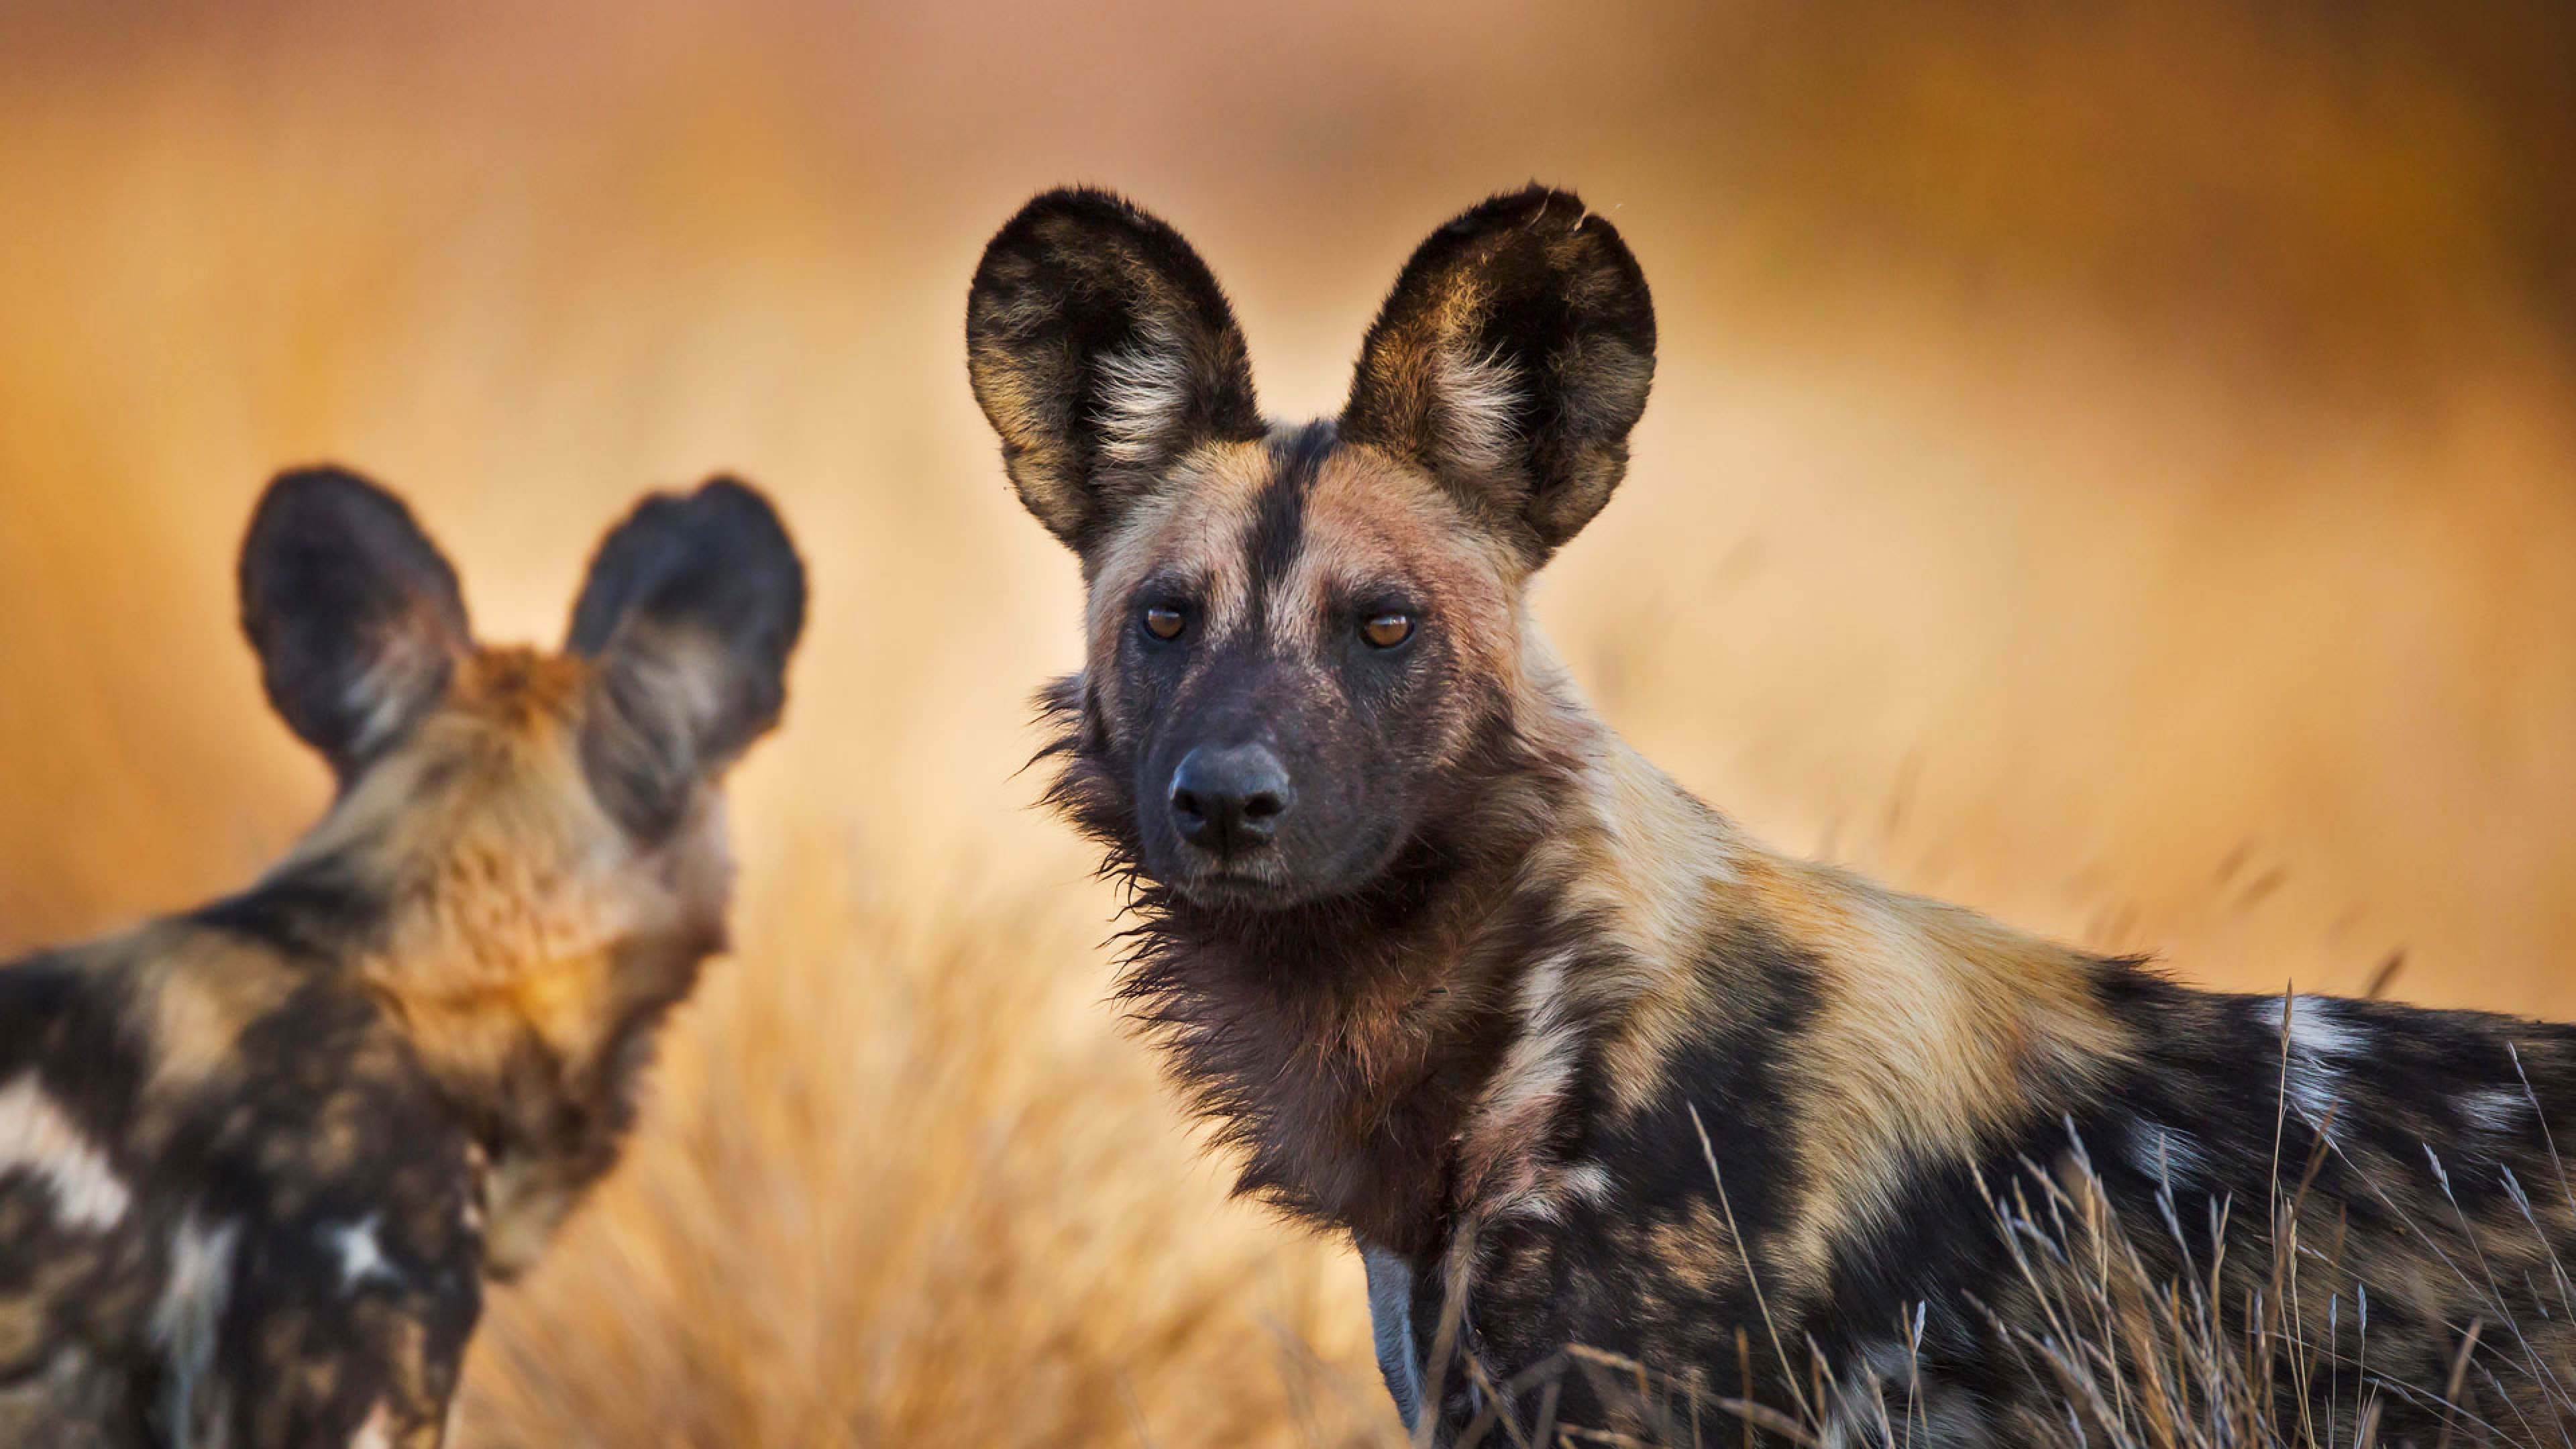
(2107, 467)
(850, 1223)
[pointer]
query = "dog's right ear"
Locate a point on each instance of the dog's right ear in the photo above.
(692, 606)
(1101, 351)
(1510, 362)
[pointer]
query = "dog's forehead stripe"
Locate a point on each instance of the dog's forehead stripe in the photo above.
(1192, 529)
(1279, 516)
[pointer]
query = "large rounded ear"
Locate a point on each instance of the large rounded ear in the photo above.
(1510, 362)
(354, 613)
(691, 609)
(1101, 350)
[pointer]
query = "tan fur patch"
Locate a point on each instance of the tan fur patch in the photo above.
(1650, 862)
(196, 995)
(37, 1137)
(1642, 859)
(1192, 527)
(1370, 521)
(26, 1323)
(1936, 1031)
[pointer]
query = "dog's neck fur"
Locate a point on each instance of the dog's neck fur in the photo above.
(544, 1074)
(1419, 1055)
(531, 1015)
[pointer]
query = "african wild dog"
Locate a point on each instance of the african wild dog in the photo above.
(255, 1159)
(1459, 973)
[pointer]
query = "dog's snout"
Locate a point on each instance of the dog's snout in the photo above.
(1230, 798)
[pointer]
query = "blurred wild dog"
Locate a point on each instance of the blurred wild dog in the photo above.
(1462, 975)
(255, 1159)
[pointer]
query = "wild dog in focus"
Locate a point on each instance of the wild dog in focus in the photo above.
(255, 1159)
(1575, 1061)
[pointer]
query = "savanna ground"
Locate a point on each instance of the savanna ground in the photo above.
(2114, 465)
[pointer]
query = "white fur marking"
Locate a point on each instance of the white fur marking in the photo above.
(2318, 1024)
(2500, 1111)
(2318, 1034)
(2168, 1154)
(1479, 402)
(1535, 1071)
(36, 1135)
(1862, 1387)
(362, 1256)
(1589, 1182)
(1877, 1394)
(191, 1309)
(1144, 392)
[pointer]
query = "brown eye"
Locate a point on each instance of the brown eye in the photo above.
(1385, 631)
(1164, 622)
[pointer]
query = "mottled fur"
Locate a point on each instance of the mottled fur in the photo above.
(256, 1158)
(1578, 1063)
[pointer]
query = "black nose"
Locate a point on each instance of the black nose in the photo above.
(1230, 798)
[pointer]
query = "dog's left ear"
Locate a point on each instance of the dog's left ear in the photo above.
(691, 609)
(353, 611)
(1510, 362)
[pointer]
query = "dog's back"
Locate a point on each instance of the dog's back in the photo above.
(226, 1167)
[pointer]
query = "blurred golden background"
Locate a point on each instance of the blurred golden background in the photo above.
(2113, 464)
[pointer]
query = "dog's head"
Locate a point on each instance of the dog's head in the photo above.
(1298, 635)
(522, 837)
